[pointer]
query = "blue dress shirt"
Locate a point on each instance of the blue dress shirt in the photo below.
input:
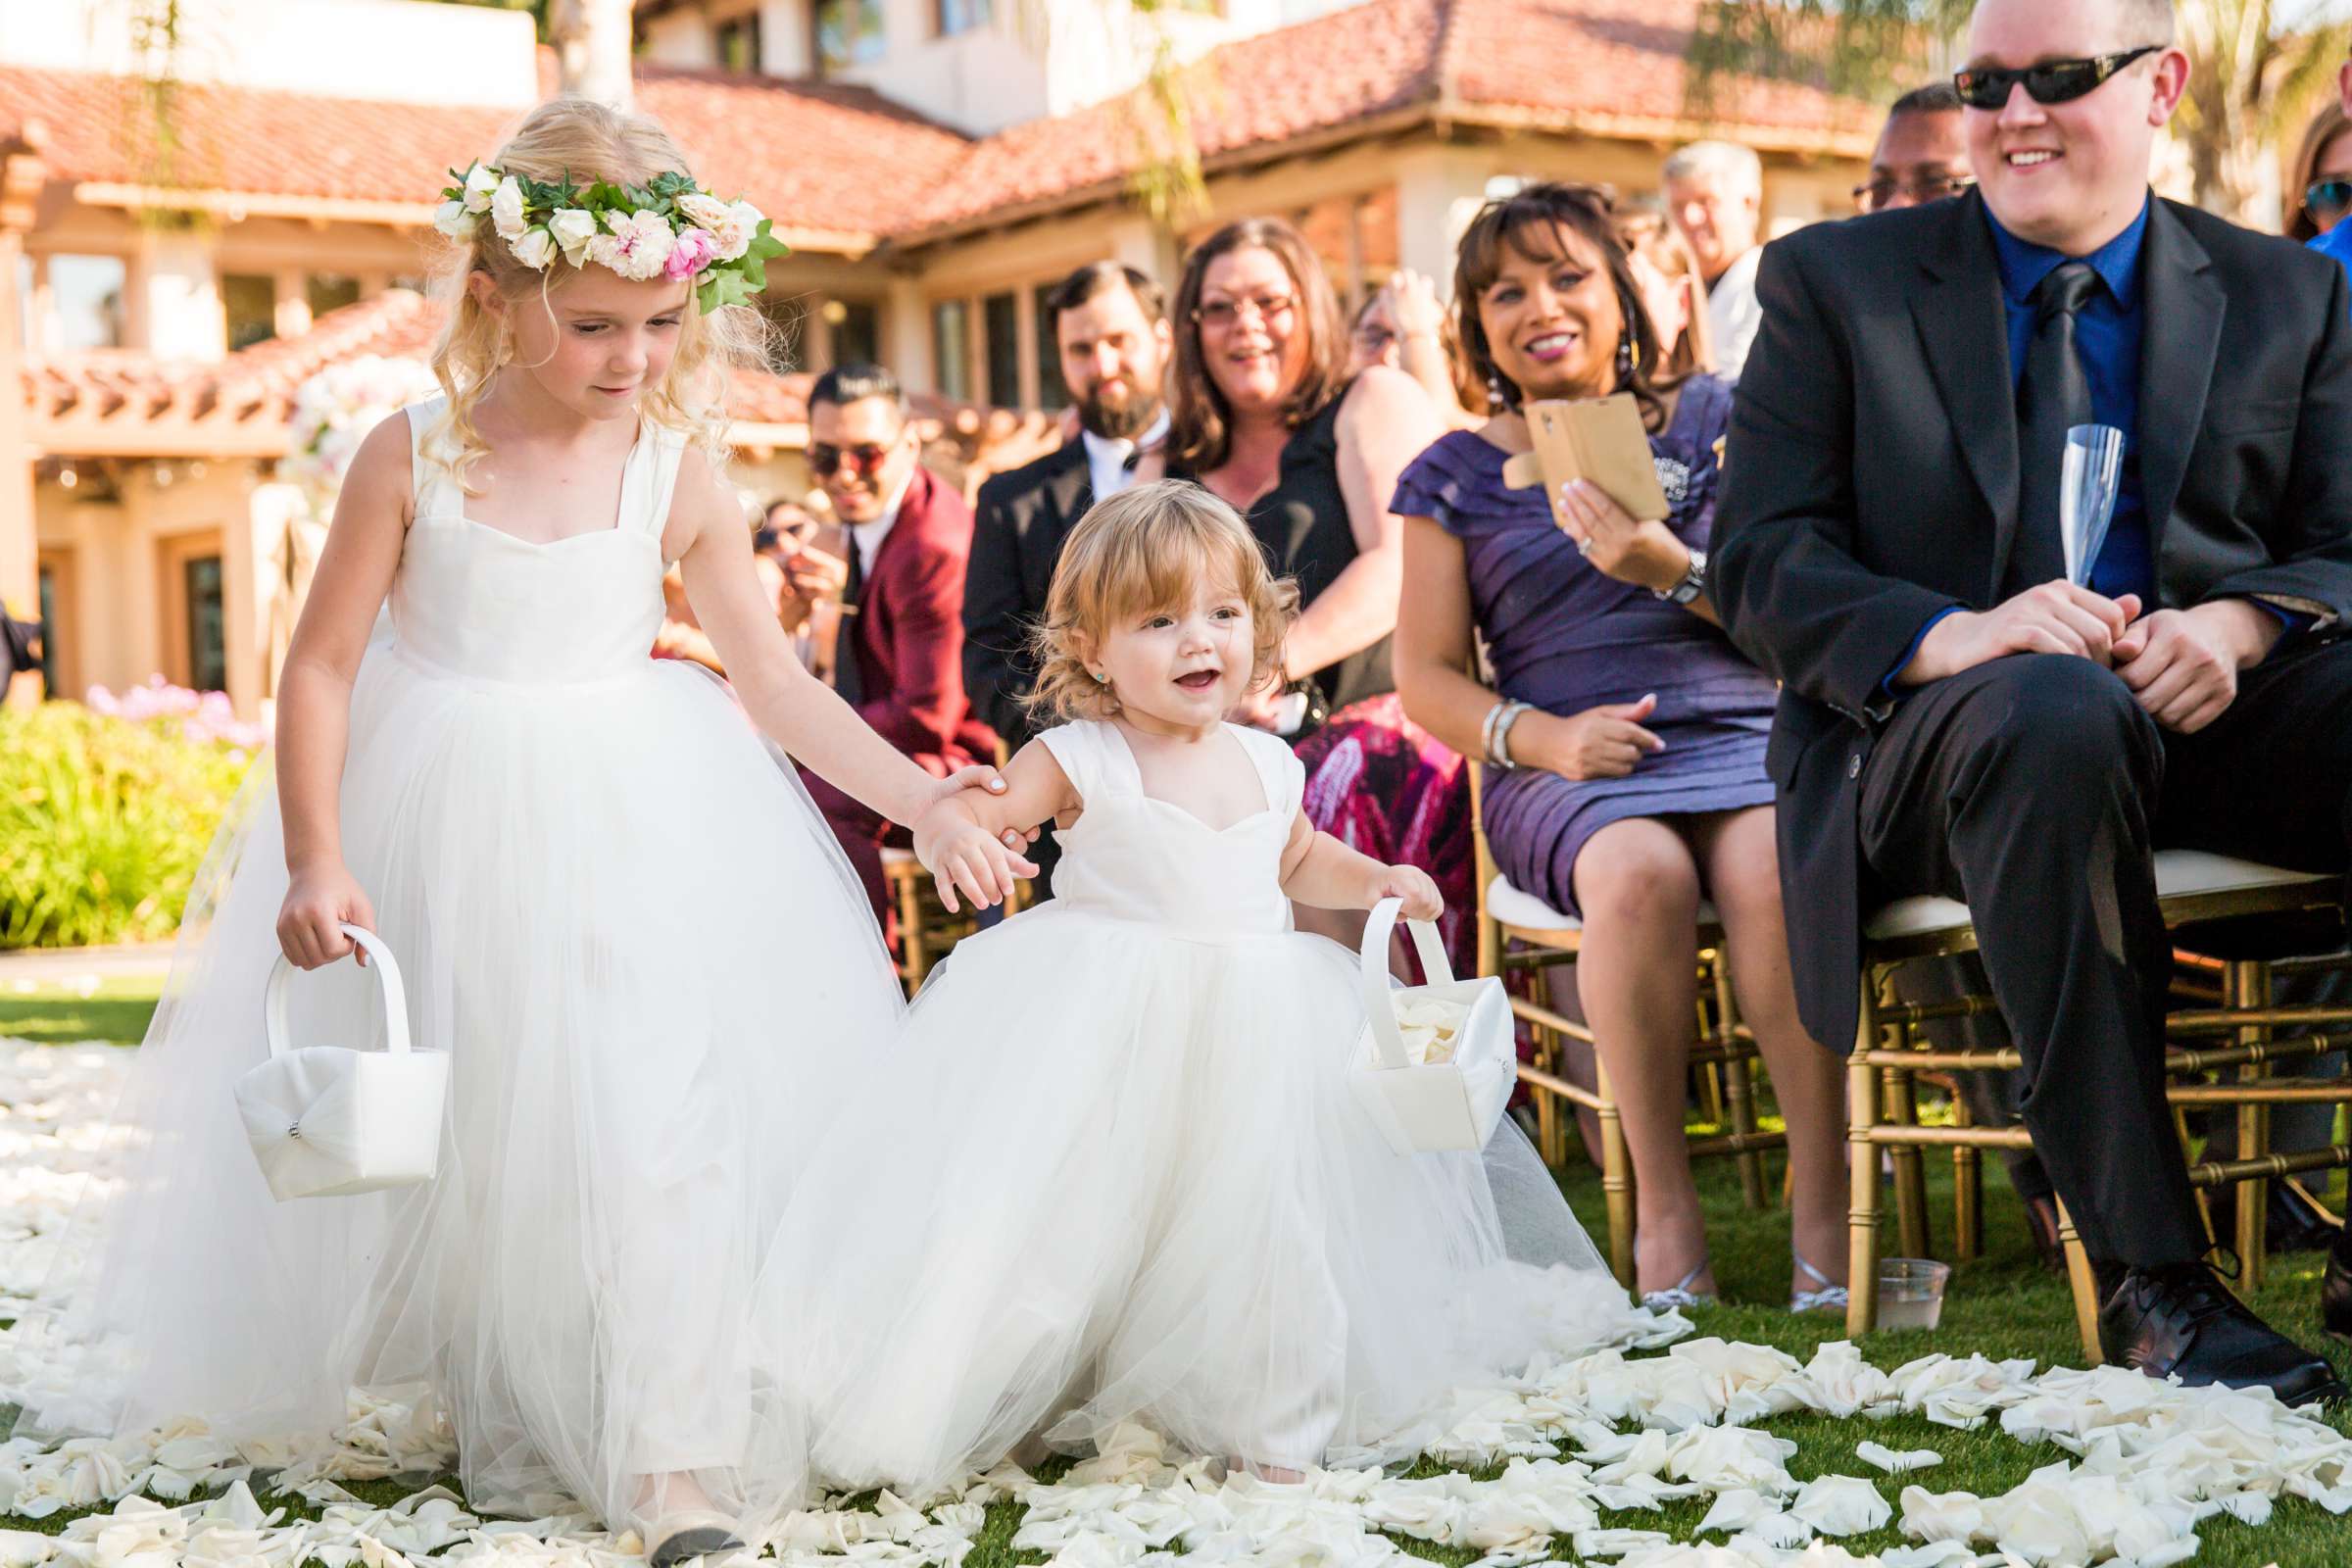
(2336, 242)
(2107, 333)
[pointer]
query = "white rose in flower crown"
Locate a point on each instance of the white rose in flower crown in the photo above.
(534, 248)
(736, 230)
(480, 185)
(637, 246)
(506, 208)
(701, 211)
(452, 218)
(572, 229)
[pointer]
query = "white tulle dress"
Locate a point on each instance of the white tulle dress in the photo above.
(1119, 1175)
(616, 908)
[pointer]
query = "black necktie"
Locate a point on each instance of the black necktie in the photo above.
(848, 683)
(2052, 398)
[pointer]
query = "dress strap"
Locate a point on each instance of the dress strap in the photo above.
(653, 478)
(1278, 770)
(1083, 753)
(427, 479)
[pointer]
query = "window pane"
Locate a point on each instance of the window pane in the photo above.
(1051, 393)
(89, 291)
(737, 42)
(208, 622)
(251, 305)
(951, 348)
(961, 15)
(49, 639)
(1001, 320)
(330, 291)
(848, 32)
(858, 334)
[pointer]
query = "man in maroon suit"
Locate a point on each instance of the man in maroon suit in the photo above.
(900, 659)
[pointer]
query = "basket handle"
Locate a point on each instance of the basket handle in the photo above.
(1378, 1007)
(389, 991)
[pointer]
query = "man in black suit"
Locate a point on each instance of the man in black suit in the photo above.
(1963, 717)
(1111, 324)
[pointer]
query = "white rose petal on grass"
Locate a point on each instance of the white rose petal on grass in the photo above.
(1943, 1515)
(1841, 1505)
(1736, 1509)
(1896, 1464)
(1933, 1555)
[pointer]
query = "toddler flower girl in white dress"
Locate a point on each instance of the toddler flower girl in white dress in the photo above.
(612, 904)
(1118, 1174)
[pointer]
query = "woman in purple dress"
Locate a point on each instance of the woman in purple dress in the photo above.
(1624, 738)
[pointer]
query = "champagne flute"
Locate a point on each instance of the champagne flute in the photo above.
(2087, 484)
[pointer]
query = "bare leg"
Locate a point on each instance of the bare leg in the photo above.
(1637, 886)
(1743, 878)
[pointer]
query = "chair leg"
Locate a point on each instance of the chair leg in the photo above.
(1901, 1102)
(1862, 1175)
(2246, 983)
(2085, 1287)
(1548, 1105)
(1738, 1079)
(1616, 1180)
(917, 960)
(1967, 1190)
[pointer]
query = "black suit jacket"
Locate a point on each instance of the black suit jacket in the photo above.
(1870, 480)
(1019, 527)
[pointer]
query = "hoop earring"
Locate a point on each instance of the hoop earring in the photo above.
(1625, 359)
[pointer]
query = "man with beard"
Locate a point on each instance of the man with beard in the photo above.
(1111, 324)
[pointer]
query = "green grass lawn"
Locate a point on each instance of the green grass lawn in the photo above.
(52, 1014)
(2001, 1303)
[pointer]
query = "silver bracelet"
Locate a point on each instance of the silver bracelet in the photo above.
(1502, 735)
(1486, 734)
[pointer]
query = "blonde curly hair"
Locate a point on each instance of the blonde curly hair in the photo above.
(583, 140)
(1145, 550)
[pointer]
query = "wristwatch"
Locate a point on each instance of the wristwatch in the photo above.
(1693, 583)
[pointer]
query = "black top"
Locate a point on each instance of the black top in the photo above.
(1017, 529)
(1301, 525)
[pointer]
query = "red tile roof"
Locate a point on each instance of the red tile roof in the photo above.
(1595, 65)
(120, 402)
(819, 158)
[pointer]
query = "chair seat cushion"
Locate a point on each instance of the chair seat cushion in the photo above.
(1507, 906)
(2178, 872)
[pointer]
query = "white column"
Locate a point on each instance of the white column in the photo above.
(177, 299)
(907, 336)
(1438, 189)
(1144, 245)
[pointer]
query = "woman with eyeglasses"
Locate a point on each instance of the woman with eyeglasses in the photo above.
(1624, 735)
(1264, 412)
(2319, 193)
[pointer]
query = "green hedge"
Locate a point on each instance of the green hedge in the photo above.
(103, 824)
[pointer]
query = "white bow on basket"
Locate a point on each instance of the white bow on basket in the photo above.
(1446, 1089)
(326, 1120)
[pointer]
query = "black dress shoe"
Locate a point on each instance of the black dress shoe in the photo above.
(2335, 1287)
(2293, 1225)
(2179, 1319)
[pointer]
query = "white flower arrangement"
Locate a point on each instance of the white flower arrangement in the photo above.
(670, 227)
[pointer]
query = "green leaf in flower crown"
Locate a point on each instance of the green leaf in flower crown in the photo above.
(721, 286)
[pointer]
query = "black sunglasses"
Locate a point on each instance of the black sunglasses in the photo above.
(2328, 198)
(2053, 81)
(824, 458)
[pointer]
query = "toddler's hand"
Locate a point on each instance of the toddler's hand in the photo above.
(1411, 885)
(960, 853)
(318, 904)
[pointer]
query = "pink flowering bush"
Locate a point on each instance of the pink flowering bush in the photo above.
(196, 716)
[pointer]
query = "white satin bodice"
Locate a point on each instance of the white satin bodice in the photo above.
(1133, 858)
(471, 600)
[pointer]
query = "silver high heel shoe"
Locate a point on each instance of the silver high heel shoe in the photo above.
(1679, 1298)
(1829, 1297)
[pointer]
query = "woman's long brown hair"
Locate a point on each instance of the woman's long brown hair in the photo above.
(1199, 420)
(1514, 221)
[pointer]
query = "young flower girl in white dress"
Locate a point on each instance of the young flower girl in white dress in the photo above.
(612, 905)
(1119, 1173)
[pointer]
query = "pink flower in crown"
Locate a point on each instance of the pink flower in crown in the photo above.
(694, 251)
(638, 246)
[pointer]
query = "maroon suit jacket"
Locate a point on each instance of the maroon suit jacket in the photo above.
(909, 638)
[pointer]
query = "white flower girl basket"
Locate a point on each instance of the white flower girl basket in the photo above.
(327, 1120)
(1437, 1062)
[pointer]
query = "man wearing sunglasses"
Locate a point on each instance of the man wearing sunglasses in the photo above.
(1964, 715)
(2335, 195)
(898, 656)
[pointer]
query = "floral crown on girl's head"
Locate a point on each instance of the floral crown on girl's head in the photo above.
(668, 227)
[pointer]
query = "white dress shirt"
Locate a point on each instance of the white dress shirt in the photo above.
(1733, 314)
(866, 537)
(1107, 461)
